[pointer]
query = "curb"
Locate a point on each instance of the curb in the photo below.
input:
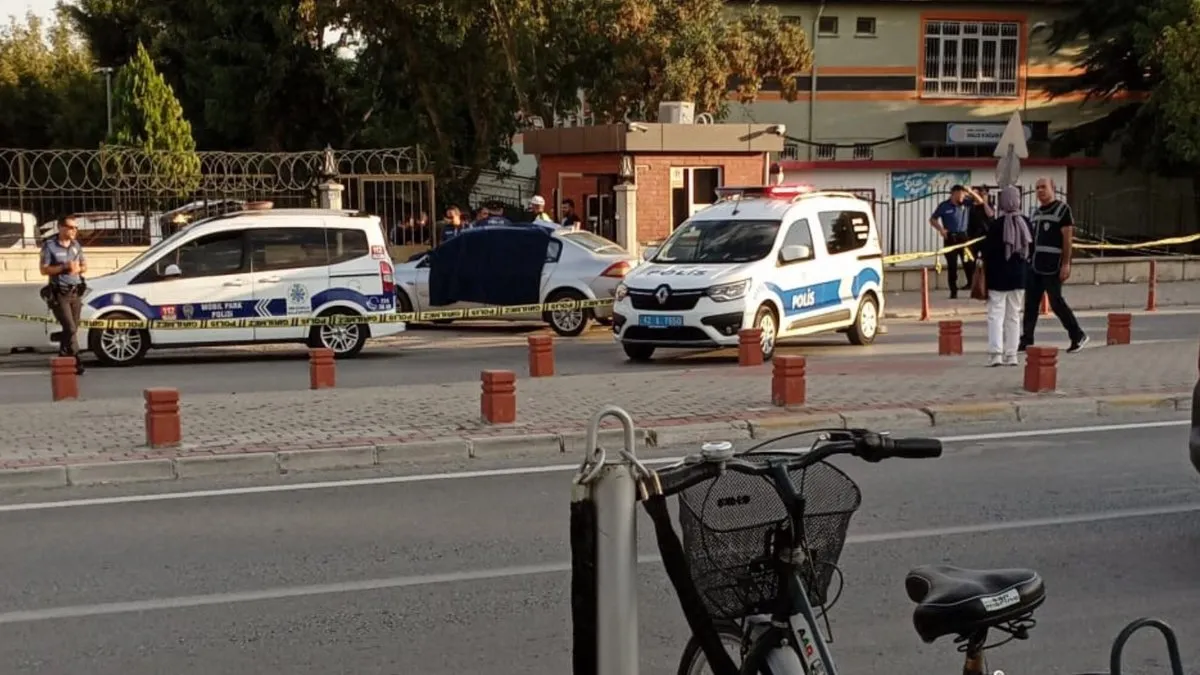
(570, 445)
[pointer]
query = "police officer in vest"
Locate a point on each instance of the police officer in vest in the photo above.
(1053, 233)
(64, 263)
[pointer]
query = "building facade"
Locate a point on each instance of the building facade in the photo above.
(909, 97)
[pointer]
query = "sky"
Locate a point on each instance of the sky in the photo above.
(19, 7)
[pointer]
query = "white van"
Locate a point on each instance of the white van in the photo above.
(788, 259)
(285, 263)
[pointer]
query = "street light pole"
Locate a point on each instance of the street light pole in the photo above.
(107, 95)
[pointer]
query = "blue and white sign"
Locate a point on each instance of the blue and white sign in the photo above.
(979, 134)
(909, 185)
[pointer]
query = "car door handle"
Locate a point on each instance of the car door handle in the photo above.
(235, 282)
(272, 280)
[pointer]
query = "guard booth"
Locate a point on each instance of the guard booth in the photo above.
(635, 183)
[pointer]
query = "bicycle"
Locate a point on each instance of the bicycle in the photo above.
(751, 575)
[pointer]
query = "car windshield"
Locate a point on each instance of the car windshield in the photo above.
(592, 242)
(719, 241)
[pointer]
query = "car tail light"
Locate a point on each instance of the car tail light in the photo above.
(385, 275)
(617, 270)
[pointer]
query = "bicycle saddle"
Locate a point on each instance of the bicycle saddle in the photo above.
(956, 601)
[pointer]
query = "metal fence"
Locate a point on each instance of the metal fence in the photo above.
(904, 223)
(128, 197)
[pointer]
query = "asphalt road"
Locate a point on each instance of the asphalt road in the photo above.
(457, 353)
(467, 575)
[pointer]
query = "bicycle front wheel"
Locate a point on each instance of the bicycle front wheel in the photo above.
(694, 662)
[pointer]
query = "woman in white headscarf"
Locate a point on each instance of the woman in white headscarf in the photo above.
(1005, 261)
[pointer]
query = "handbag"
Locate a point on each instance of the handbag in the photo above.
(979, 283)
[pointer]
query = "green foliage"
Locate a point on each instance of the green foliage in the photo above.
(148, 117)
(458, 77)
(1142, 47)
(1175, 102)
(49, 96)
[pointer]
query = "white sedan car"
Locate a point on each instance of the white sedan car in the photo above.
(522, 264)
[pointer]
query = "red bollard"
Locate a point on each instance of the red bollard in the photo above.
(1045, 310)
(64, 381)
(1152, 288)
(541, 355)
(321, 371)
(950, 340)
(750, 347)
(499, 401)
(163, 428)
(1120, 329)
(924, 294)
(1041, 368)
(788, 387)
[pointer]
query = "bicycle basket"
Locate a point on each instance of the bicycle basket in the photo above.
(728, 524)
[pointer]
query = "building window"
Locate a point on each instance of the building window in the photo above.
(827, 25)
(864, 25)
(864, 151)
(826, 151)
(970, 59)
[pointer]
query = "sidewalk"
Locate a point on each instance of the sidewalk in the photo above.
(300, 430)
(1081, 298)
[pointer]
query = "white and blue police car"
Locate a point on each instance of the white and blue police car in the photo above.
(256, 264)
(788, 259)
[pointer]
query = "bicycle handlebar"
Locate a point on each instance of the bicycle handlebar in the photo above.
(866, 445)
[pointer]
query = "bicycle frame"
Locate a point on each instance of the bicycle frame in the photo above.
(798, 646)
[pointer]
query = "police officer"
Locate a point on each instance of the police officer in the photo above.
(64, 263)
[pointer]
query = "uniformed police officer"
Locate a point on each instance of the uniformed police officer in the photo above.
(64, 263)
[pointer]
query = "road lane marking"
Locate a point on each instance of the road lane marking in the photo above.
(516, 471)
(418, 580)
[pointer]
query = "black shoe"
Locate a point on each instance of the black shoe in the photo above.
(1077, 345)
(1021, 346)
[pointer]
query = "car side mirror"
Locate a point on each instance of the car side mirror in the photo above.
(172, 271)
(649, 252)
(793, 253)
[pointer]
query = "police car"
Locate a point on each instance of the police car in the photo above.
(259, 264)
(788, 259)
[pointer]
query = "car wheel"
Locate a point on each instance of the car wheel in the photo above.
(346, 340)
(404, 305)
(638, 352)
(119, 346)
(866, 326)
(769, 325)
(567, 322)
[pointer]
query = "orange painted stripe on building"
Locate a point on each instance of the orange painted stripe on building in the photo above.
(866, 70)
(803, 95)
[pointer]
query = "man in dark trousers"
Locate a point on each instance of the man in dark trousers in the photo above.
(951, 219)
(1053, 234)
(64, 263)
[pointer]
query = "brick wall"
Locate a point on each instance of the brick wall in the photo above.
(654, 184)
(653, 181)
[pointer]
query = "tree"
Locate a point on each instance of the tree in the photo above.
(148, 119)
(1121, 55)
(251, 74)
(49, 96)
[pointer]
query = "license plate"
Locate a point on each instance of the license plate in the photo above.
(660, 320)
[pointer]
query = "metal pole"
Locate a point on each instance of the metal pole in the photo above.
(615, 493)
(108, 98)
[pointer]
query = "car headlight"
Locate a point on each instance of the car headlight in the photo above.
(620, 293)
(727, 292)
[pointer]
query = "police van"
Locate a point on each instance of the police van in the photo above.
(788, 259)
(258, 264)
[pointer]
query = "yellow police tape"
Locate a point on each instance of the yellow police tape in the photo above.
(486, 312)
(1081, 245)
(336, 320)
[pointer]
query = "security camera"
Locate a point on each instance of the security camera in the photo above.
(638, 126)
(777, 129)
